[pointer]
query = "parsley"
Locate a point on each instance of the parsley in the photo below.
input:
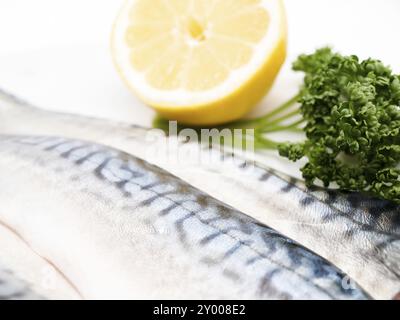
(350, 114)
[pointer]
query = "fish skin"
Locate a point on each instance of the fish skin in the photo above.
(119, 227)
(29, 267)
(357, 233)
(13, 288)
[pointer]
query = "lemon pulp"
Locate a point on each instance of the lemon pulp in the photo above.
(200, 61)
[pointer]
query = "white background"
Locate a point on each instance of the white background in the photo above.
(55, 53)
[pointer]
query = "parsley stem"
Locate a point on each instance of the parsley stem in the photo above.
(261, 121)
(280, 109)
(261, 142)
(290, 127)
(280, 119)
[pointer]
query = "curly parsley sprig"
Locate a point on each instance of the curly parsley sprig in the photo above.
(350, 113)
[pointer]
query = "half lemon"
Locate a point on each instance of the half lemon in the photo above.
(200, 62)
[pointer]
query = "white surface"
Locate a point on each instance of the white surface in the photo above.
(56, 52)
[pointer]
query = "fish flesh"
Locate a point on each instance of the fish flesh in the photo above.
(13, 288)
(359, 234)
(119, 227)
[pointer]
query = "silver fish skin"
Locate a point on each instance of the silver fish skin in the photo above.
(118, 227)
(13, 288)
(358, 234)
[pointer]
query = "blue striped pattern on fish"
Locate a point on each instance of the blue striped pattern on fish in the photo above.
(152, 222)
(358, 234)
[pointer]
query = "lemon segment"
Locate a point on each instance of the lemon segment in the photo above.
(201, 62)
